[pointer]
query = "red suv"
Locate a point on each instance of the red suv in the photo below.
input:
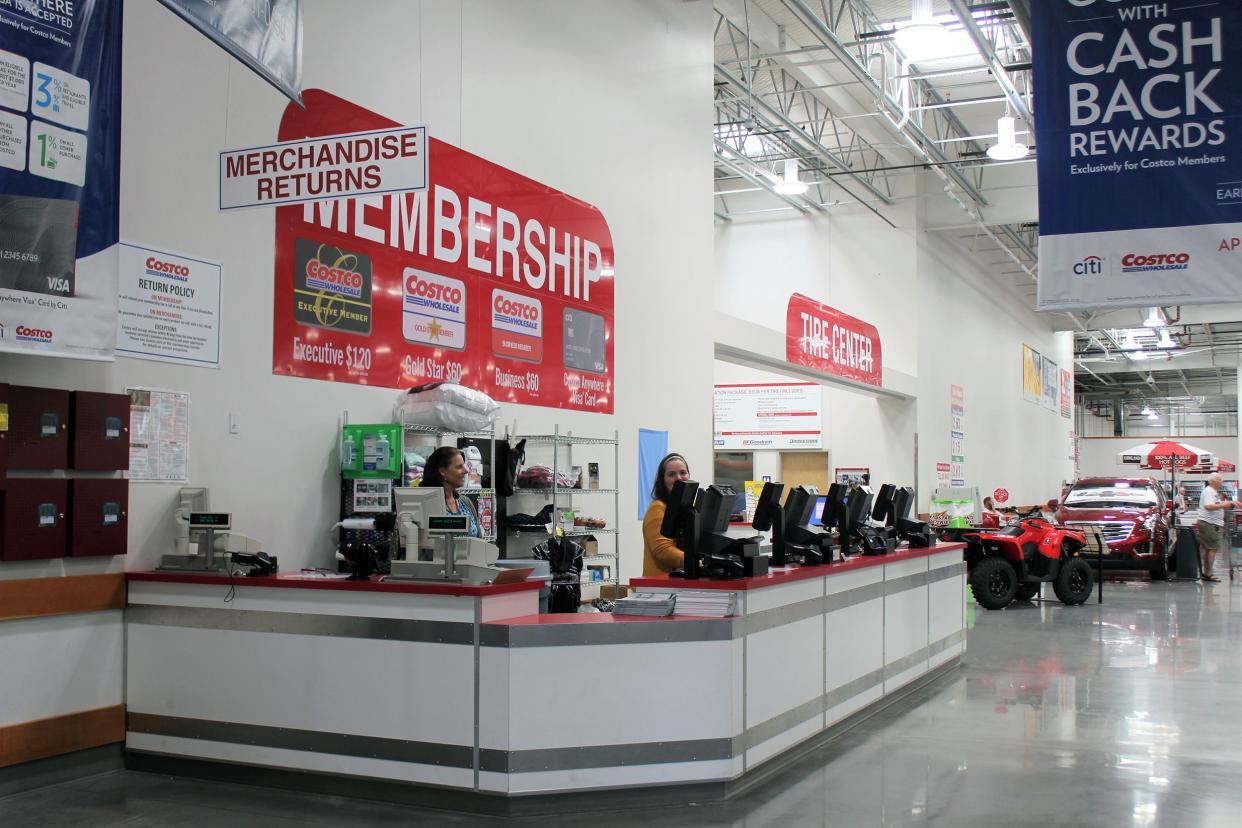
(1132, 514)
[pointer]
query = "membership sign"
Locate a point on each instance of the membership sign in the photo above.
(482, 277)
(1137, 117)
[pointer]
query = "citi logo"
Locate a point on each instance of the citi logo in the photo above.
(1089, 266)
(167, 270)
(25, 334)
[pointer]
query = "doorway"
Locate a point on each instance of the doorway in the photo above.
(805, 468)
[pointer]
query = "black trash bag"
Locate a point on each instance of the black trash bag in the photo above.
(539, 520)
(564, 557)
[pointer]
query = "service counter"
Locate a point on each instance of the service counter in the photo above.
(469, 691)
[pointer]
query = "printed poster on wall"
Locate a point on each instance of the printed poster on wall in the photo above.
(159, 436)
(486, 278)
(60, 139)
(957, 435)
(1140, 140)
(781, 415)
(1032, 375)
(1067, 394)
(1052, 385)
(265, 35)
(168, 307)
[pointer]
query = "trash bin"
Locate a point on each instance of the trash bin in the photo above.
(1186, 554)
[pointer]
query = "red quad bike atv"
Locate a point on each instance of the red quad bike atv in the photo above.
(1012, 562)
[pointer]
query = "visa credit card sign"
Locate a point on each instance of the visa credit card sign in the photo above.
(1138, 120)
(485, 278)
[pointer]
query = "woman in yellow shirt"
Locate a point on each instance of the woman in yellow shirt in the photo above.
(660, 554)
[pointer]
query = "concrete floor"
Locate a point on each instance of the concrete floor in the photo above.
(1121, 715)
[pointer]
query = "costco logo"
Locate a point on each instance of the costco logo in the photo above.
(341, 280)
(167, 270)
(25, 334)
(1090, 266)
(1138, 263)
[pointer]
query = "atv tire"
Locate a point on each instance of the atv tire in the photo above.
(994, 583)
(1027, 591)
(1073, 582)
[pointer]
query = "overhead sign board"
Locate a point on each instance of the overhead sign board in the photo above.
(824, 338)
(783, 415)
(1138, 126)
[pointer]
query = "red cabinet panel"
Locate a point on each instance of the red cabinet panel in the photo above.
(98, 523)
(38, 428)
(100, 431)
(34, 518)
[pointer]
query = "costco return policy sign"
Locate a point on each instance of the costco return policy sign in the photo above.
(823, 338)
(485, 277)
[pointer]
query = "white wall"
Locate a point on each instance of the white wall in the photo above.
(971, 334)
(860, 430)
(574, 95)
(940, 316)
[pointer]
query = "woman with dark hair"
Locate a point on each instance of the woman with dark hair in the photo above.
(446, 467)
(660, 554)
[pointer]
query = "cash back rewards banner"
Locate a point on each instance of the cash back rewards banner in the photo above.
(1137, 111)
(486, 278)
(60, 140)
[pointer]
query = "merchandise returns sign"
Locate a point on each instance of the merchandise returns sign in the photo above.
(1140, 152)
(823, 338)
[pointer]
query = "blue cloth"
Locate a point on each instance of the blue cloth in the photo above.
(652, 446)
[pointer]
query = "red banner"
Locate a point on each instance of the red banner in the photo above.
(823, 338)
(487, 278)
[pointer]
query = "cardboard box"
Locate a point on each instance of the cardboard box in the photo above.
(614, 591)
(589, 544)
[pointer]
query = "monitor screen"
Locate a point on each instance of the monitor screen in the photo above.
(859, 507)
(680, 498)
(883, 503)
(768, 509)
(903, 503)
(714, 505)
(817, 515)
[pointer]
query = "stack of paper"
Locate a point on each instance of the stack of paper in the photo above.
(646, 603)
(707, 603)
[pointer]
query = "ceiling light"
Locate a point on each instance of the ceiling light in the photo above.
(1153, 416)
(1139, 355)
(1007, 147)
(1155, 319)
(1166, 340)
(922, 38)
(790, 185)
(1146, 412)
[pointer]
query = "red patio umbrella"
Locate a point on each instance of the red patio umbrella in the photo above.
(1169, 455)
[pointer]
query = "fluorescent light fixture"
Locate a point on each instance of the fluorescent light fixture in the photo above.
(1007, 147)
(1153, 416)
(923, 38)
(1146, 412)
(1140, 355)
(790, 185)
(1166, 340)
(1155, 319)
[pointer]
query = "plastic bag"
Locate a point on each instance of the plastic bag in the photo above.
(446, 405)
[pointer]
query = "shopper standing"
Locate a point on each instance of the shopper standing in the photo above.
(660, 554)
(1211, 524)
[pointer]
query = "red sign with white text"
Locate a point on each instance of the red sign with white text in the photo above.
(823, 338)
(487, 278)
(1001, 495)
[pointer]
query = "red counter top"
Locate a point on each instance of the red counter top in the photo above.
(785, 575)
(296, 580)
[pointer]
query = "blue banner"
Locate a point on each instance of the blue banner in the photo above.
(1139, 137)
(60, 142)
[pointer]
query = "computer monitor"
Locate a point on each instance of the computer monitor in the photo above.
(859, 507)
(768, 508)
(883, 504)
(714, 504)
(422, 502)
(679, 506)
(798, 506)
(817, 514)
(903, 503)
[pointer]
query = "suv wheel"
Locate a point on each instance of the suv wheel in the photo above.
(1160, 568)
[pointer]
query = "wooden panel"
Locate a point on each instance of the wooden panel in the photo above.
(40, 739)
(36, 597)
(805, 468)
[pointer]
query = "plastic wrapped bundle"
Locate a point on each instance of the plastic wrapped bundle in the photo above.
(564, 558)
(446, 405)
